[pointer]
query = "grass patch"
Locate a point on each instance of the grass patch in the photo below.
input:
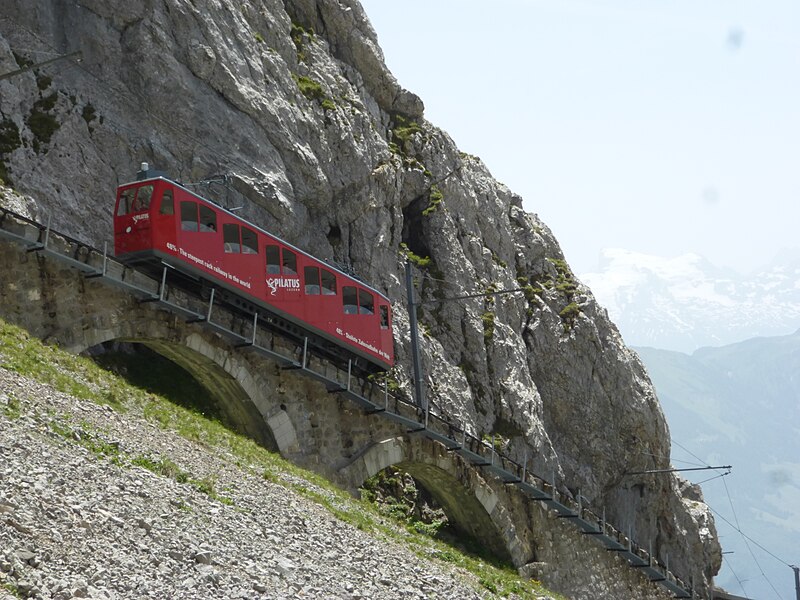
(9, 137)
(487, 319)
(312, 90)
(89, 114)
(434, 200)
(402, 130)
(42, 122)
(163, 467)
(420, 261)
(299, 35)
(12, 408)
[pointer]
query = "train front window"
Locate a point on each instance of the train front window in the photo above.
(208, 219)
(384, 316)
(230, 238)
(328, 283)
(126, 199)
(273, 260)
(289, 262)
(189, 216)
(311, 276)
(249, 241)
(350, 300)
(365, 303)
(143, 197)
(167, 203)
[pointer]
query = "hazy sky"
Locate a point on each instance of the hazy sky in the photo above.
(660, 127)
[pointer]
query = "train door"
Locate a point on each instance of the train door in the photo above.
(132, 225)
(163, 218)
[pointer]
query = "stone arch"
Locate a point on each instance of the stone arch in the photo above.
(232, 381)
(471, 502)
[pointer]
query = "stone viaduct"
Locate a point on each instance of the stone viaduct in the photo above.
(54, 299)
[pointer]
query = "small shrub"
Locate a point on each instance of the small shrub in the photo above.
(89, 114)
(419, 261)
(488, 325)
(434, 200)
(402, 130)
(299, 34)
(568, 315)
(43, 82)
(41, 122)
(259, 37)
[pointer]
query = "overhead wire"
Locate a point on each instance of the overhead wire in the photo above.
(749, 549)
(738, 528)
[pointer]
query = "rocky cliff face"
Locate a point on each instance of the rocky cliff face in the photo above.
(293, 103)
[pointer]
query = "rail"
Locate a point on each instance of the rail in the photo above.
(371, 395)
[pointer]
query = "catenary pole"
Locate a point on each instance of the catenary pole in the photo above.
(419, 390)
(796, 581)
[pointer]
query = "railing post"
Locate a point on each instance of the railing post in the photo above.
(210, 303)
(47, 231)
(525, 465)
(105, 257)
(386, 394)
(255, 327)
(603, 522)
(349, 372)
(162, 291)
(305, 357)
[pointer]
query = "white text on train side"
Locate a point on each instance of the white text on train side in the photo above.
(284, 283)
(208, 265)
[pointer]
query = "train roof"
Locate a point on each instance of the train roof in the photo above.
(264, 231)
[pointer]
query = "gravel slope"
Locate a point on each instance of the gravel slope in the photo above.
(79, 520)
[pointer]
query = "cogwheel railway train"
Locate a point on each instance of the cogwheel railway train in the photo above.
(158, 221)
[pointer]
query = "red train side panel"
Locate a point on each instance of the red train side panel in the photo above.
(156, 218)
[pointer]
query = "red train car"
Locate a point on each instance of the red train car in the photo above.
(156, 219)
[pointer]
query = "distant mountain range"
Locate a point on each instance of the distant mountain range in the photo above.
(685, 303)
(740, 405)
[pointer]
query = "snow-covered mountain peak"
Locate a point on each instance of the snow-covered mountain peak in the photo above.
(685, 302)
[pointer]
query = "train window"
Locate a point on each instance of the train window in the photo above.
(289, 262)
(273, 260)
(249, 241)
(365, 303)
(125, 201)
(311, 275)
(167, 203)
(384, 316)
(143, 197)
(189, 216)
(328, 283)
(230, 237)
(208, 219)
(350, 300)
